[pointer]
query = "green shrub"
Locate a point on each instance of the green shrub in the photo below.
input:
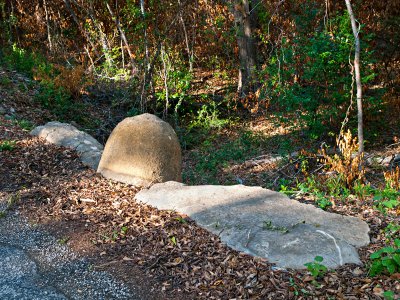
(386, 199)
(386, 260)
(24, 61)
(208, 117)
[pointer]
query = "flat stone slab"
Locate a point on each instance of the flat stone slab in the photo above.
(64, 134)
(265, 223)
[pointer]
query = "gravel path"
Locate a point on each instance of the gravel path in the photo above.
(34, 265)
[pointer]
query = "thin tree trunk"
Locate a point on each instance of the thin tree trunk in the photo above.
(103, 37)
(122, 54)
(147, 67)
(247, 49)
(10, 24)
(189, 53)
(81, 29)
(358, 77)
(123, 37)
(165, 75)
(48, 26)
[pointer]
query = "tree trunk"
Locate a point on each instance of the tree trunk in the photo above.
(147, 66)
(81, 29)
(48, 26)
(123, 38)
(247, 49)
(358, 77)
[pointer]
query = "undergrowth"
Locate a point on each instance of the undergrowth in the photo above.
(59, 87)
(212, 156)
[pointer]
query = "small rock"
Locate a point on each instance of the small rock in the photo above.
(358, 271)
(387, 160)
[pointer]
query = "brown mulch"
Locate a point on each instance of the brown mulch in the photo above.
(160, 249)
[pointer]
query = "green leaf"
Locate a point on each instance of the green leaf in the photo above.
(387, 261)
(319, 258)
(388, 295)
(375, 255)
(391, 268)
(396, 258)
(173, 240)
(389, 250)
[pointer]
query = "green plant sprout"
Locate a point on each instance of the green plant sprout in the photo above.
(316, 268)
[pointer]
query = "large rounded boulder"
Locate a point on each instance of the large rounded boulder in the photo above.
(142, 150)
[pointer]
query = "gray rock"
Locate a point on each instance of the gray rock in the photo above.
(264, 223)
(63, 134)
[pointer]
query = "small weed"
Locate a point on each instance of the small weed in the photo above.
(285, 186)
(7, 145)
(323, 202)
(3, 214)
(317, 269)
(181, 220)
(114, 236)
(25, 124)
(64, 240)
(267, 225)
(336, 186)
(4, 81)
(286, 190)
(362, 190)
(209, 117)
(392, 230)
(294, 286)
(386, 260)
(124, 230)
(13, 200)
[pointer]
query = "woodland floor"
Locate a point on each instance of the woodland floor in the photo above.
(166, 254)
